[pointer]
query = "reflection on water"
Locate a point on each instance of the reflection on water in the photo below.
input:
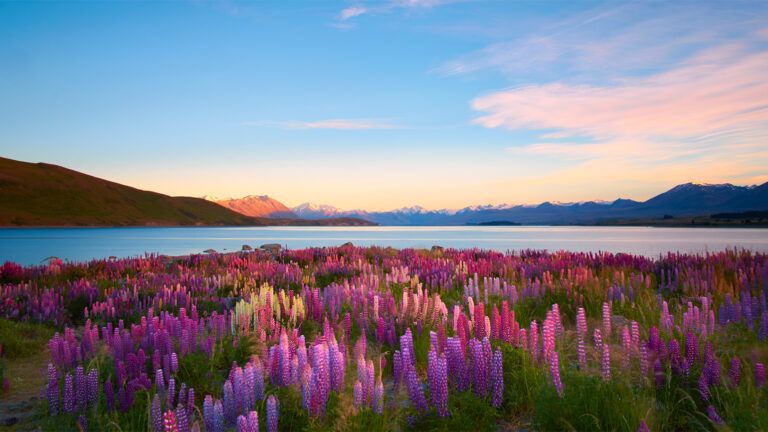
(31, 245)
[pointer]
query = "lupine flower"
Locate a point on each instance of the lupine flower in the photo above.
(52, 393)
(109, 395)
(69, 394)
(181, 418)
(712, 414)
(497, 379)
(415, 391)
(734, 374)
(93, 387)
(157, 414)
(554, 369)
(643, 427)
(208, 414)
(759, 375)
(273, 414)
(606, 362)
(607, 315)
(169, 422)
(357, 394)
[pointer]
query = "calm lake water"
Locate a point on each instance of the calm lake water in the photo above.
(32, 245)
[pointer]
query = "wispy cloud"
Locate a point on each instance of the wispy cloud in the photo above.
(630, 38)
(337, 124)
(723, 88)
(352, 12)
(388, 6)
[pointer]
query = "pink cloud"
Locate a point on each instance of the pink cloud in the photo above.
(723, 88)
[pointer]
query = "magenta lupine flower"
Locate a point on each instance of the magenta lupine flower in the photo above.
(626, 344)
(242, 424)
(598, 338)
(52, 393)
(169, 422)
(554, 369)
(497, 379)
(253, 421)
(712, 414)
(704, 386)
(533, 346)
(607, 315)
(759, 375)
(357, 394)
(273, 414)
(643, 427)
(606, 362)
(734, 374)
(69, 394)
(157, 414)
(581, 333)
(643, 361)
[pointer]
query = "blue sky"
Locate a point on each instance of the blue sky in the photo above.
(384, 104)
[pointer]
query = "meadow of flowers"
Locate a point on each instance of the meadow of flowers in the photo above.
(355, 338)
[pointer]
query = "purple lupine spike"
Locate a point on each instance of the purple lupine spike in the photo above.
(554, 368)
(497, 379)
(93, 387)
(82, 423)
(759, 375)
(109, 395)
(357, 394)
(606, 362)
(208, 414)
(230, 408)
(218, 417)
(159, 381)
(273, 414)
(157, 414)
(171, 395)
(415, 391)
(704, 386)
(190, 402)
(714, 416)
(691, 350)
(607, 315)
(81, 390)
(69, 394)
(378, 397)
(734, 373)
(181, 418)
(52, 392)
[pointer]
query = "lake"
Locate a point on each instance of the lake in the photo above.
(32, 245)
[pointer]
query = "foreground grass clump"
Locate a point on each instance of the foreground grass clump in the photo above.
(349, 339)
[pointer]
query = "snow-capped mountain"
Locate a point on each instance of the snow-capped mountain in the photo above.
(688, 199)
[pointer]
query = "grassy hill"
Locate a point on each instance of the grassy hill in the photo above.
(40, 194)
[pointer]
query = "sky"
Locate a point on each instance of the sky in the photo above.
(383, 104)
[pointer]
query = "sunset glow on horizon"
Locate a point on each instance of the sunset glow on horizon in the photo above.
(386, 104)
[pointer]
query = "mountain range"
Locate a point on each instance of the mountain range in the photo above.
(256, 206)
(685, 200)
